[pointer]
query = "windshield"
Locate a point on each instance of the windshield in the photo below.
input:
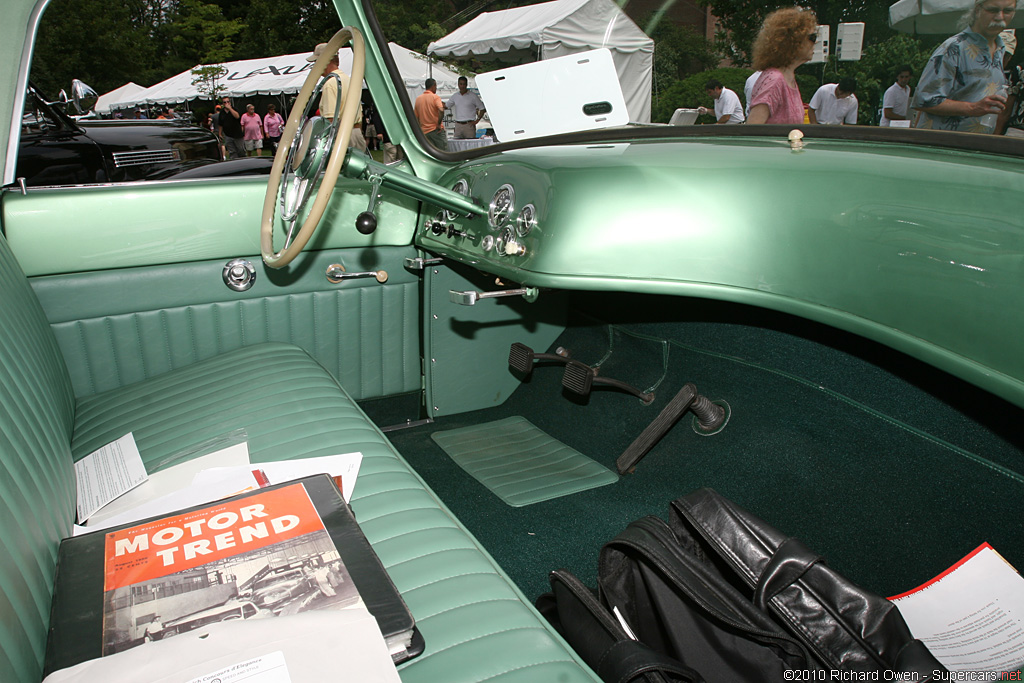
(473, 74)
(950, 68)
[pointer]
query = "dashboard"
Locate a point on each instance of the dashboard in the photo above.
(884, 240)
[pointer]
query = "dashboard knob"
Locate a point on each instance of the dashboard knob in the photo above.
(513, 248)
(366, 222)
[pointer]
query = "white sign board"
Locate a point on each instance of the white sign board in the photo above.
(561, 95)
(821, 47)
(849, 41)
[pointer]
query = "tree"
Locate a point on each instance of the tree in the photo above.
(207, 80)
(69, 47)
(197, 32)
(740, 20)
(876, 69)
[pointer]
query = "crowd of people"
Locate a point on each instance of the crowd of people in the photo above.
(971, 82)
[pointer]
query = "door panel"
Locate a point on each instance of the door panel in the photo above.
(74, 229)
(121, 326)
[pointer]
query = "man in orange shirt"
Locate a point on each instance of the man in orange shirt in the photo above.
(429, 109)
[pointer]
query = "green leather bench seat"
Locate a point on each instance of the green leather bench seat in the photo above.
(476, 624)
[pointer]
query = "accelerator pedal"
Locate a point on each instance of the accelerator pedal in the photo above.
(521, 357)
(669, 415)
(580, 378)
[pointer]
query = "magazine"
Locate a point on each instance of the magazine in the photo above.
(251, 558)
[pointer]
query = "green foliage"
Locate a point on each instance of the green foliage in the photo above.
(276, 27)
(198, 32)
(207, 80)
(413, 23)
(740, 20)
(875, 72)
(66, 49)
(690, 94)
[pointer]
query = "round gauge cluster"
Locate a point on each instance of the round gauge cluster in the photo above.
(526, 220)
(502, 205)
(461, 186)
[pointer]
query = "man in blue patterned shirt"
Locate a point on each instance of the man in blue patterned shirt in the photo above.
(961, 82)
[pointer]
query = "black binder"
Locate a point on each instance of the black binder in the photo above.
(77, 611)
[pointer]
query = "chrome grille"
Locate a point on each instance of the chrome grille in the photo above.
(146, 156)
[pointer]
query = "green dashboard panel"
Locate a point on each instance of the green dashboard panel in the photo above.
(890, 242)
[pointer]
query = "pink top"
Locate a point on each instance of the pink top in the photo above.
(784, 102)
(251, 126)
(272, 123)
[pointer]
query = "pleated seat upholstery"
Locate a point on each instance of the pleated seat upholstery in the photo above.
(476, 624)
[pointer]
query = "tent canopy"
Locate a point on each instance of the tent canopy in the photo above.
(555, 29)
(116, 95)
(938, 16)
(285, 74)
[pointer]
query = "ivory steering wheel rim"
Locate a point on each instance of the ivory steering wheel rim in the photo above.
(339, 149)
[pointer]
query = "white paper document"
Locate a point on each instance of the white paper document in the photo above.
(170, 480)
(314, 646)
(270, 668)
(279, 471)
(107, 473)
(971, 616)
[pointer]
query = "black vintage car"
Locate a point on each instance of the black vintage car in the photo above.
(57, 149)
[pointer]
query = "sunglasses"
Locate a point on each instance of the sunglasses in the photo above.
(813, 37)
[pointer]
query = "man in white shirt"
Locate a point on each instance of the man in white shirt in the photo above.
(834, 103)
(748, 90)
(728, 108)
(467, 109)
(896, 100)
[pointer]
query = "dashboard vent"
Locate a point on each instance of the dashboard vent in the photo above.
(146, 156)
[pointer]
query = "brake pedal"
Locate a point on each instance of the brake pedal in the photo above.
(668, 416)
(521, 357)
(580, 378)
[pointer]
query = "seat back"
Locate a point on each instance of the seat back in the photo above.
(37, 479)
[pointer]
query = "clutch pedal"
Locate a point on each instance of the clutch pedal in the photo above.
(580, 378)
(521, 357)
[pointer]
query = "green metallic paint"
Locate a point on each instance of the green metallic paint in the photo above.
(467, 346)
(74, 229)
(889, 242)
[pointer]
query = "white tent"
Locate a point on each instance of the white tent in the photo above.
(116, 95)
(938, 16)
(285, 74)
(555, 29)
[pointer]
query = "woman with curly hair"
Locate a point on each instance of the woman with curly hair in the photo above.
(786, 41)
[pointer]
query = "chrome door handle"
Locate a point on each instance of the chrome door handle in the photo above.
(336, 273)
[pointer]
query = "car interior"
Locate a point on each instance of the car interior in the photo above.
(846, 316)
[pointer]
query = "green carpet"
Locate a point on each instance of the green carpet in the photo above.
(891, 475)
(519, 463)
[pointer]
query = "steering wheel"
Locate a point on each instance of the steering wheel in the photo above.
(311, 145)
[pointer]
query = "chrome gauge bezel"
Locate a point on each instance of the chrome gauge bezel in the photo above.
(526, 220)
(497, 216)
(461, 186)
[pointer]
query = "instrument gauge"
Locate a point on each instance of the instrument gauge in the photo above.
(527, 220)
(461, 186)
(502, 205)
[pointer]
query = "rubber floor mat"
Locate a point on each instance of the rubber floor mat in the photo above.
(519, 463)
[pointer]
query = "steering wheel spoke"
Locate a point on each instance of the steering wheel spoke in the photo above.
(312, 149)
